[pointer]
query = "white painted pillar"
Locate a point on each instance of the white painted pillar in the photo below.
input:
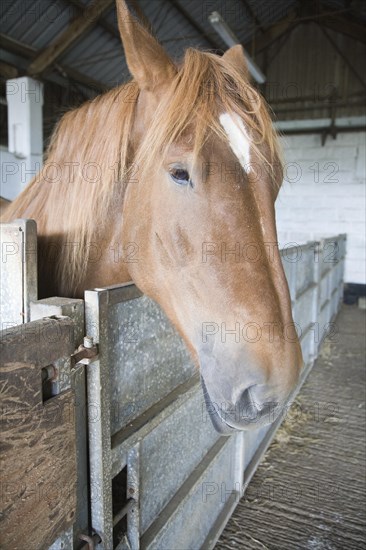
(25, 135)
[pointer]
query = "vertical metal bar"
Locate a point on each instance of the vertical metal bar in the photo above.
(78, 382)
(99, 456)
(239, 462)
(316, 299)
(98, 385)
(344, 248)
(133, 491)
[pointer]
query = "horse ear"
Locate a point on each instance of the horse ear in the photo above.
(147, 61)
(236, 56)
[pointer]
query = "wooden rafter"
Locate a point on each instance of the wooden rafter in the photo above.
(77, 28)
(274, 32)
(111, 29)
(334, 20)
(345, 25)
(27, 52)
(7, 70)
(345, 58)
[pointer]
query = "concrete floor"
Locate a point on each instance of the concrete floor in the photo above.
(309, 491)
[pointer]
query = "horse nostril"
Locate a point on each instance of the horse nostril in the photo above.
(250, 406)
(246, 406)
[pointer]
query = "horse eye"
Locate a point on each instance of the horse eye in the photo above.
(180, 176)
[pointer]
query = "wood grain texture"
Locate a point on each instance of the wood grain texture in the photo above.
(309, 492)
(38, 466)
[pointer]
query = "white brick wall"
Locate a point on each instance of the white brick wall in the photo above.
(324, 194)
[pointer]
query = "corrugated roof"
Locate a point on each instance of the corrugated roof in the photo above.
(98, 53)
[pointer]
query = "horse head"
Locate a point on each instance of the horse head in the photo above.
(202, 213)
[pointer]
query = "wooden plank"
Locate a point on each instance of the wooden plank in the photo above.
(40, 342)
(67, 38)
(37, 438)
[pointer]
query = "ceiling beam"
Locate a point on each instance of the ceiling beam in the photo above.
(8, 71)
(27, 52)
(344, 57)
(201, 31)
(111, 29)
(77, 28)
(273, 33)
(14, 46)
(253, 15)
(345, 25)
(75, 76)
(309, 13)
(338, 20)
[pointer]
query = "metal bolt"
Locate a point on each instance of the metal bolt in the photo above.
(88, 342)
(49, 373)
(90, 541)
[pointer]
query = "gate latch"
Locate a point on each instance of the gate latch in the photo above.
(86, 353)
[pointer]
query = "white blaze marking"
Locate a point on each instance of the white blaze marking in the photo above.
(238, 138)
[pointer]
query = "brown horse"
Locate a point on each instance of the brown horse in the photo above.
(170, 181)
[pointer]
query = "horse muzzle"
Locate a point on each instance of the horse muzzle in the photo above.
(249, 412)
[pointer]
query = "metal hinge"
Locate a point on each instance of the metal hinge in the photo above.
(86, 353)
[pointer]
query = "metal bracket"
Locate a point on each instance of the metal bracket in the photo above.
(90, 541)
(86, 353)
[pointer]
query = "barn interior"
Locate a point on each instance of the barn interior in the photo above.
(308, 63)
(311, 53)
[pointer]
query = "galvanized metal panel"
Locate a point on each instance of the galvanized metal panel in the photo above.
(324, 288)
(167, 442)
(18, 271)
(252, 440)
(167, 465)
(138, 429)
(305, 272)
(309, 340)
(185, 528)
(289, 266)
(304, 310)
(171, 452)
(147, 359)
(331, 253)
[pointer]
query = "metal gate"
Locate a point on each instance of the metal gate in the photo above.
(159, 475)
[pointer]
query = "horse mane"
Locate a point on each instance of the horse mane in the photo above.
(82, 180)
(206, 86)
(89, 156)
